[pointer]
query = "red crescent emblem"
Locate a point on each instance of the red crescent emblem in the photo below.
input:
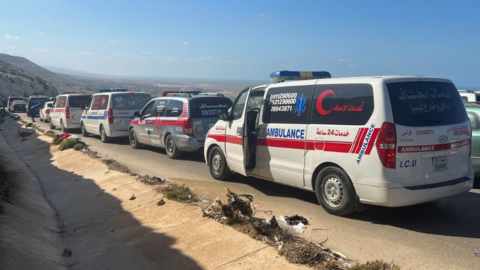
(320, 109)
(196, 130)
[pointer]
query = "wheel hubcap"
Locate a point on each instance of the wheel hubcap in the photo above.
(216, 163)
(133, 139)
(170, 145)
(333, 191)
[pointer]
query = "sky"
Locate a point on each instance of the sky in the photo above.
(247, 40)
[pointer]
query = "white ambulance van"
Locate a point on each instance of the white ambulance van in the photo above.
(109, 112)
(66, 111)
(387, 140)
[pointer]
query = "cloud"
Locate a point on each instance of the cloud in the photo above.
(48, 51)
(114, 41)
(342, 60)
(201, 59)
(185, 43)
(261, 15)
(144, 52)
(8, 36)
(122, 54)
(348, 63)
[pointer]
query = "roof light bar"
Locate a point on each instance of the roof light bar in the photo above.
(280, 76)
(111, 90)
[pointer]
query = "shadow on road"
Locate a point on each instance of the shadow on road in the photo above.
(99, 232)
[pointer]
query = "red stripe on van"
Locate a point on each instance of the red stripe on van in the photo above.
(356, 138)
(233, 139)
(358, 144)
(432, 147)
(217, 137)
(371, 143)
(283, 143)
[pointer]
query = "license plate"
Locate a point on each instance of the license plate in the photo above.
(440, 163)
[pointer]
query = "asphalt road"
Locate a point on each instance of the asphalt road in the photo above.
(439, 235)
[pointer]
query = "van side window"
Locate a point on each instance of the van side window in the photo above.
(61, 102)
(174, 108)
(148, 109)
(160, 107)
(342, 104)
(288, 105)
(100, 102)
(237, 109)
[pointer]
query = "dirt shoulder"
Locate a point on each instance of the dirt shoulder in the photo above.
(92, 214)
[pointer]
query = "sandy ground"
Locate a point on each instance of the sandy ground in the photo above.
(65, 199)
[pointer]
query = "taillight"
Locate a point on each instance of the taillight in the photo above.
(14, 105)
(47, 111)
(110, 116)
(387, 144)
(67, 112)
(188, 127)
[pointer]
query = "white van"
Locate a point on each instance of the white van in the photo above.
(389, 141)
(469, 96)
(109, 112)
(66, 111)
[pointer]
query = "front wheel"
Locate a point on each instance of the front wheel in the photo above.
(50, 124)
(84, 130)
(103, 135)
(335, 191)
(171, 148)
(62, 126)
(133, 139)
(217, 164)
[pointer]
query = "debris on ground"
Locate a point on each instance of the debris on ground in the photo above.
(161, 202)
(49, 132)
(204, 199)
(295, 220)
(176, 192)
(24, 134)
(115, 165)
(132, 197)
(147, 180)
(67, 252)
(29, 125)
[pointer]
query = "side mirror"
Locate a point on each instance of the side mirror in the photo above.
(136, 114)
(82, 106)
(223, 115)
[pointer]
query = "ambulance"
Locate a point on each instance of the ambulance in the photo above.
(386, 140)
(66, 111)
(109, 112)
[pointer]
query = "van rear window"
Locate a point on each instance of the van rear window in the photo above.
(208, 107)
(130, 101)
(77, 101)
(426, 104)
(35, 101)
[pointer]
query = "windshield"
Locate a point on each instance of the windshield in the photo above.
(35, 101)
(130, 101)
(77, 101)
(208, 107)
(426, 104)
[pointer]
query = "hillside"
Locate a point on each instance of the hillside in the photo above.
(16, 81)
(63, 83)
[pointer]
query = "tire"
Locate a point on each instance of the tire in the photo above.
(132, 137)
(217, 164)
(335, 191)
(83, 130)
(62, 127)
(50, 124)
(171, 148)
(103, 135)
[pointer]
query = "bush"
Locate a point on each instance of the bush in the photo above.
(78, 146)
(67, 144)
(376, 265)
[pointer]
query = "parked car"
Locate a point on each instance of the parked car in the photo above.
(177, 122)
(109, 112)
(34, 100)
(469, 96)
(18, 106)
(45, 111)
(67, 112)
(11, 99)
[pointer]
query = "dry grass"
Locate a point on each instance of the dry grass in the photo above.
(376, 265)
(179, 193)
(114, 165)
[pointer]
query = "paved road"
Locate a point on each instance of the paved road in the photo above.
(440, 235)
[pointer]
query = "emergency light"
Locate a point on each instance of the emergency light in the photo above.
(284, 75)
(193, 92)
(111, 90)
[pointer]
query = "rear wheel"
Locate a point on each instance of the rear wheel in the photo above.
(50, 124)
(217, 164)
(62, 126)
(84, 131)
(171, 148)
(103, 135)
(335, 191)
(133, 139)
